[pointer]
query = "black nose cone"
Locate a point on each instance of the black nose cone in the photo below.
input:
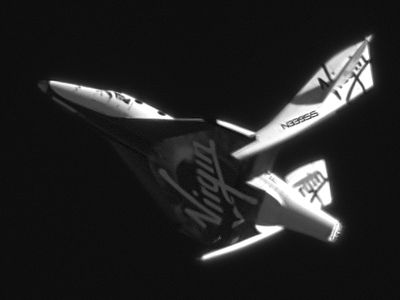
(43, 85)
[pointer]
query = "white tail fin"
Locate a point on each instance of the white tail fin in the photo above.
(339, 81)
(312, 182)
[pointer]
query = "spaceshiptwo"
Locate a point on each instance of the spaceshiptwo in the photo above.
(214, 179)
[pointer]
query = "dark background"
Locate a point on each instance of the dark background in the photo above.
(78, 224)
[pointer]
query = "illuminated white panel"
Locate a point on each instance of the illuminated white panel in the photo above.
(311, 181)
(357, 90)
(366, 77)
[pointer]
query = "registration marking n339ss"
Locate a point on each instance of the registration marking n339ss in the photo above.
(301, 119)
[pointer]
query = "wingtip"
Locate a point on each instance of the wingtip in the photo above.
(242, 153)
(369, 38)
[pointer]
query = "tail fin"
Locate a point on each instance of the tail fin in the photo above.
(312, 182)
(340, 80)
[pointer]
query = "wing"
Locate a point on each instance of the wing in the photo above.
(339, 81)
(264, 233)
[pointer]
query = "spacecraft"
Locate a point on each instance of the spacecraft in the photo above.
(214, 179)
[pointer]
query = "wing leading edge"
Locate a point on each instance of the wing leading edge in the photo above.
(339, 81)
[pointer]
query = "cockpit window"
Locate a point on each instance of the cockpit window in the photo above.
(109, 94)
(122, 98)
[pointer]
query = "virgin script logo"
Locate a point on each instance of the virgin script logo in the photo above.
(207, 199)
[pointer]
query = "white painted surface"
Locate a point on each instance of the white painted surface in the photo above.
(347, 73)
(109, 103)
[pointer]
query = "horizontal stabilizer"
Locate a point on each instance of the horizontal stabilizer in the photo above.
(282, 205)
(340, 80)
(312, 183)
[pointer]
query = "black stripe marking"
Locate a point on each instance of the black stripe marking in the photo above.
(364, 59)
(315, 195)
(327, 72)
(337, 94)
(356, 79)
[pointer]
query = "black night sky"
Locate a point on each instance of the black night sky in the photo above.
(77, 224)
